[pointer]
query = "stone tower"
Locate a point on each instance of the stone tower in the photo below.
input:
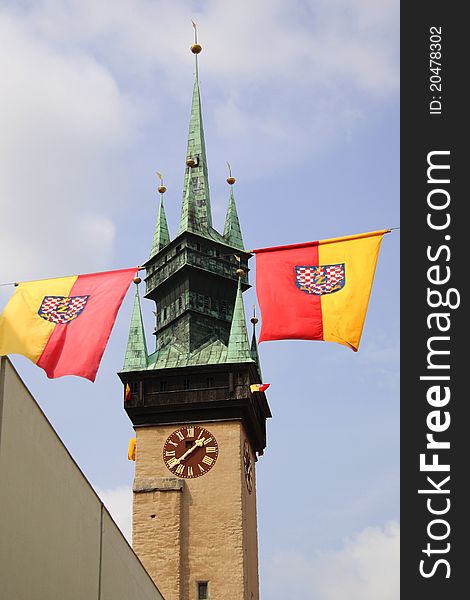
(199, 429)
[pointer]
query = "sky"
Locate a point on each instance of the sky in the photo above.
(302, 98)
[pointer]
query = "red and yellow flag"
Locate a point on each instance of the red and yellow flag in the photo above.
(131, 449)
(63, 324)
(317, 290)
(259, 387)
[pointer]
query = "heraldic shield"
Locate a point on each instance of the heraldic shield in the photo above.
(320, 280)
(62, 309)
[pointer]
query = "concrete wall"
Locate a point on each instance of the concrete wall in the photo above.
(56, 538)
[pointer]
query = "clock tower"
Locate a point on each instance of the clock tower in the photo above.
(199, 428)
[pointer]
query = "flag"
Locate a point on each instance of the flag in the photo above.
(63, 325)
(127, 393)
(259, 387)
(131, 449)
(317, 290)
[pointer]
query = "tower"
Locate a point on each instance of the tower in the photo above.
(199, 429)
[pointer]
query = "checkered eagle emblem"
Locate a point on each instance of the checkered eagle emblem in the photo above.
(62, 309)
(320, 280)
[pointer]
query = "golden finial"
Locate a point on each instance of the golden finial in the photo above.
(191, 162)
(240, 272)
(254, 318)
(230, 180)
(161, 188)
(195, 48)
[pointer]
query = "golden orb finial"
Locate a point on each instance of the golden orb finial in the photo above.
(190, 161)
(230, 180)
(195, 48)
(161, 188)
(137, 280)
(240, 272)
(254, 318)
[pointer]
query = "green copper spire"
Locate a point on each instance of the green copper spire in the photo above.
(161, 237)
(232, 231)
(196, 211)
(254, 344)
(238, 349)
(136, 353)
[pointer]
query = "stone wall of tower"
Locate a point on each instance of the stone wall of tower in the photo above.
(250, 531)
(201, 529)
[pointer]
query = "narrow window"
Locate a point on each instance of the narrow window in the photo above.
(198, 247)
(217, 253)
(223, 307)
(206, 301)
(186, 384)
(134, 385)
(163, 386)
(180, 303)
(209, 382)
(164, 314)
(202, 590)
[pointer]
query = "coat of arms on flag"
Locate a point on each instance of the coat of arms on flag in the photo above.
(319, 280)
(62, 309)
(40, 321)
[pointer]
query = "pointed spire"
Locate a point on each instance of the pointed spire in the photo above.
(232, 230)
(196, 211)
(238, 349)
(161, 236)
(254, 344)
(136, 352)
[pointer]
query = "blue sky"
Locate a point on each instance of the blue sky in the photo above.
(301, 97)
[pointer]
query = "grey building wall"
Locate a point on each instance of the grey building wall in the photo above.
(57, 540)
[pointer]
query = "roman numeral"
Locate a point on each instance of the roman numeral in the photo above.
(208, 460)
(172, 462)
(201, 469)
(170, 452)
(211, 449)
(190, 431)
(173, 443)
(200, 433)
(180, 435)
(179, 469)
(207, 441)
(190, 471)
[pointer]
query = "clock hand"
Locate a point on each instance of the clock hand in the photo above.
(197, 444)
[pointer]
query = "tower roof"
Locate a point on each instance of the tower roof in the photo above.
(136, 352)
(196, 215)
(232, 230)
(161, 236)
(196, 211)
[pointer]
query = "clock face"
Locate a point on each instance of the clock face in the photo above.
(248, 466)
(190, 451)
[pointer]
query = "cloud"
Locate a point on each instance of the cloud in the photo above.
(118, 501)
(62, 119)
(365, 568)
